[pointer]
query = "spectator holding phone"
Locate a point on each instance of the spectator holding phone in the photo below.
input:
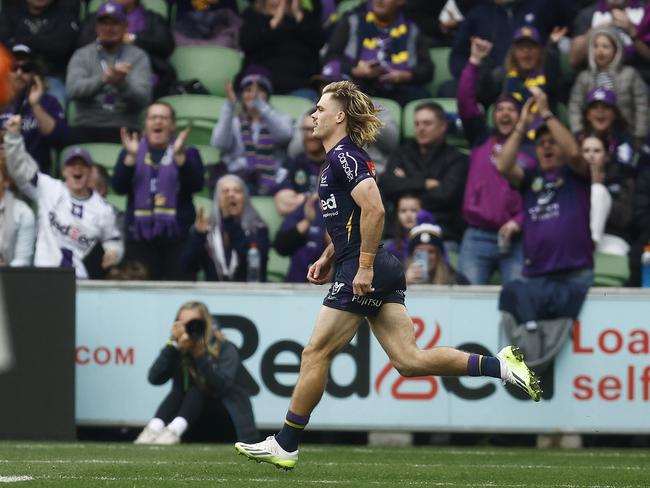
(207, 381)
(428, 261)
(44, 127)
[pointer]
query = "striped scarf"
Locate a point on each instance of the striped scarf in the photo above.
(387, 45)
(259, 156)
(154, 194)
(517, 87)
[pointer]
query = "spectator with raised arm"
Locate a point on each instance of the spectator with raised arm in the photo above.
(159, 174)
(218, 244)
(286, 39)
(389, 56)
(44, 125)
(492, 209)
(17, 224)
(50, 29)
(72, 219)
(251, 135)
(109, 80)
(431, 169)
(556, 234)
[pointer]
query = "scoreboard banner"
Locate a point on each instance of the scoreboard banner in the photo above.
(600, 381)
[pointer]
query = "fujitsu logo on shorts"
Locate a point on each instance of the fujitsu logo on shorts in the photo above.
(367, 301)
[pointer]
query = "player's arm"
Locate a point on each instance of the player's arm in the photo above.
(318, 272)
(506, 160)
(371, 222)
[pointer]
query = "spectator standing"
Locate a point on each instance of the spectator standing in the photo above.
(388, 54)
(431, 169)
(556, 234)
(159, 174)
(207, 382)
(109, 80)
(612, 193)
(50, 28)
(625, 16)
(253, 138)
(219, 244)
(492, 208)
(641, 226)
(150, 32)
(72, 219)
(286, 40)
(17, 224)
(302, 236)
(606, 70)
(207, 22)
(433, 267)
(44, 125)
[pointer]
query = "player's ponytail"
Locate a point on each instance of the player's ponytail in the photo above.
(363, 122)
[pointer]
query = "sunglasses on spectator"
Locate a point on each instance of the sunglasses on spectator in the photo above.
(26, 68)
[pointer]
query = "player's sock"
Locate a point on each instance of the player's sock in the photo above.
(479, 365)
(178, 426)
(291, 432)
(156, 425)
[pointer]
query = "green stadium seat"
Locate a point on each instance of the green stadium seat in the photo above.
(294, 106)
(392, 107)
(212, 65)
(118, 201)
(449, 105)
(277, 267)
(198, 112)
(440, 58)
(346, 6)
(610, 270)
(158, 6)
(104, 154)
(265, 206)
(203, 202)
(209, 154)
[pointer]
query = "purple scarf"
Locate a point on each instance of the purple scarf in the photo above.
(154, 194)
(259, 156)
(388, 46)
(136, 20)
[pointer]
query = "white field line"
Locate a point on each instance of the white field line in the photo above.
(284, 481)
(333, 464)
(14, 479)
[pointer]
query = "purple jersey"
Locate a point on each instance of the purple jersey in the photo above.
(556, 222)
(346, 165)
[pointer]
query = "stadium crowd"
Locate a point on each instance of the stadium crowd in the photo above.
(515, 139)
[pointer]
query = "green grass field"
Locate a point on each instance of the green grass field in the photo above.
(32, 464)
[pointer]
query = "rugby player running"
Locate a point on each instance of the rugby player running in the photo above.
(369, 281)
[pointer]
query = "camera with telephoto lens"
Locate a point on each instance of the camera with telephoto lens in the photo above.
(195, 328)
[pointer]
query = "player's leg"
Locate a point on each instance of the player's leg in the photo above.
(333, 331)
(394, 330)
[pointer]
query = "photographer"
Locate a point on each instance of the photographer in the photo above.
(207, 376)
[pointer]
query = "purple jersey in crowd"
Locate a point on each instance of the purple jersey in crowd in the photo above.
(345, 167)
(556, 221)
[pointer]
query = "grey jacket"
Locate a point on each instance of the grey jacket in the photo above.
(226, 135)
(628, 85)
(99, 104)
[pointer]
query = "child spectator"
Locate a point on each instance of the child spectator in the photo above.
(606, 70)
(408, 207)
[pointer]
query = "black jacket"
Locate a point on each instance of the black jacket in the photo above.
(290, 52)
(224, 379)
(442, 162)
(52, 36)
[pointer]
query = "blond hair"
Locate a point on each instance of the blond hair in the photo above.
(213, 338)
(361, 114)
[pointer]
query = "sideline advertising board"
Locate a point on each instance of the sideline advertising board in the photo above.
(600, 381)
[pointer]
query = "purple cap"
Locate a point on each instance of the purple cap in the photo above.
(527, 32)
(259, 74)
(601, 94)
(113, 10)
(77, 153)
